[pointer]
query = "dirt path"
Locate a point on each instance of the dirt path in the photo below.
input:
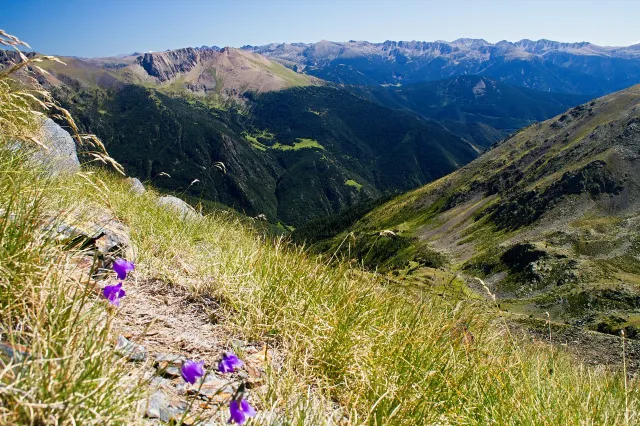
(163, 326)
(166, 319)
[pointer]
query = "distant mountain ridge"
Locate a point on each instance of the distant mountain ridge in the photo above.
(578, 68)
(224, 74)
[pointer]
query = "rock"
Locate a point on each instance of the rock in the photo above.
(61, 156)
(108, 236)
(161, 382)
(136, 186)
(132, 351)
(15, 353)
(165, 359)
(155, 403)
(159, 406)
(213, 388)
(170, 414)
(170, 371)
(179, 206)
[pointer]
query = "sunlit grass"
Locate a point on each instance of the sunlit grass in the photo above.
(384, 355)
(357, 349)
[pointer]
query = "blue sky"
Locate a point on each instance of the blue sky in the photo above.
(101, 28)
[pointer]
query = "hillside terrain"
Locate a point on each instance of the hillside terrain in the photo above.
(545, 65)
(171, 118)
(120, 305)
(479, 104)
(548, 219)
(302, 153)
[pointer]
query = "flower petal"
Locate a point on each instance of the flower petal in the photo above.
(236, 414)
(229, 363)
(248, 410)
(122, 267)
(224, 368)
(113, 293)
(191, 371)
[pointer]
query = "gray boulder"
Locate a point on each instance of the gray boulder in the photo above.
(136, 186)
(61, 156)
(179, 206)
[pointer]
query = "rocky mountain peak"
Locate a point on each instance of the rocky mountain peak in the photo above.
(545, 65)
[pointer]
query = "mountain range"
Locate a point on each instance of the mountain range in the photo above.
(297, 146)
(550, 66)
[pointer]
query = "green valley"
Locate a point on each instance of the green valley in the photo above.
(548, 219)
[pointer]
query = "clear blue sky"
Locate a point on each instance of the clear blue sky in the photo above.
(101, 28)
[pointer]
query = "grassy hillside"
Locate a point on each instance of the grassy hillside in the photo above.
(354, 347)
(548, 218)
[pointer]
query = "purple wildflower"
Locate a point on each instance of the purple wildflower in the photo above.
(122, 268)
(240, 411)
(192, 371)
(113, 293)
(229, 363)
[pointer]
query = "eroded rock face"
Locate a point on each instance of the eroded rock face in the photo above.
(166, 65)
(61, 156)
(527, 207)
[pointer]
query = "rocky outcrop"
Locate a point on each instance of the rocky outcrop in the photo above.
(167, 65)
(60, 155)
(527, 207)
(225, 72)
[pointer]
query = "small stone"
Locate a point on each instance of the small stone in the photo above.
(155, 404)
(179, 206)
(171, 371)
(136, 186)
(170, 414)
(13, 352)
(179, 404)
(161, 382)
(212, 392)
(132, 351)
(181, 388)
(168, 359)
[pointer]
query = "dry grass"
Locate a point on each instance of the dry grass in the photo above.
(357, 349)
(382, 355)
(57, 365)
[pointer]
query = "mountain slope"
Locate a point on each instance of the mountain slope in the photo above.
(222, 74)
(476, 99)
(549, 218)
(579, 68)
(294, 155)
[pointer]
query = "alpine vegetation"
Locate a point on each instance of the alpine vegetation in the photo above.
(225, 322)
